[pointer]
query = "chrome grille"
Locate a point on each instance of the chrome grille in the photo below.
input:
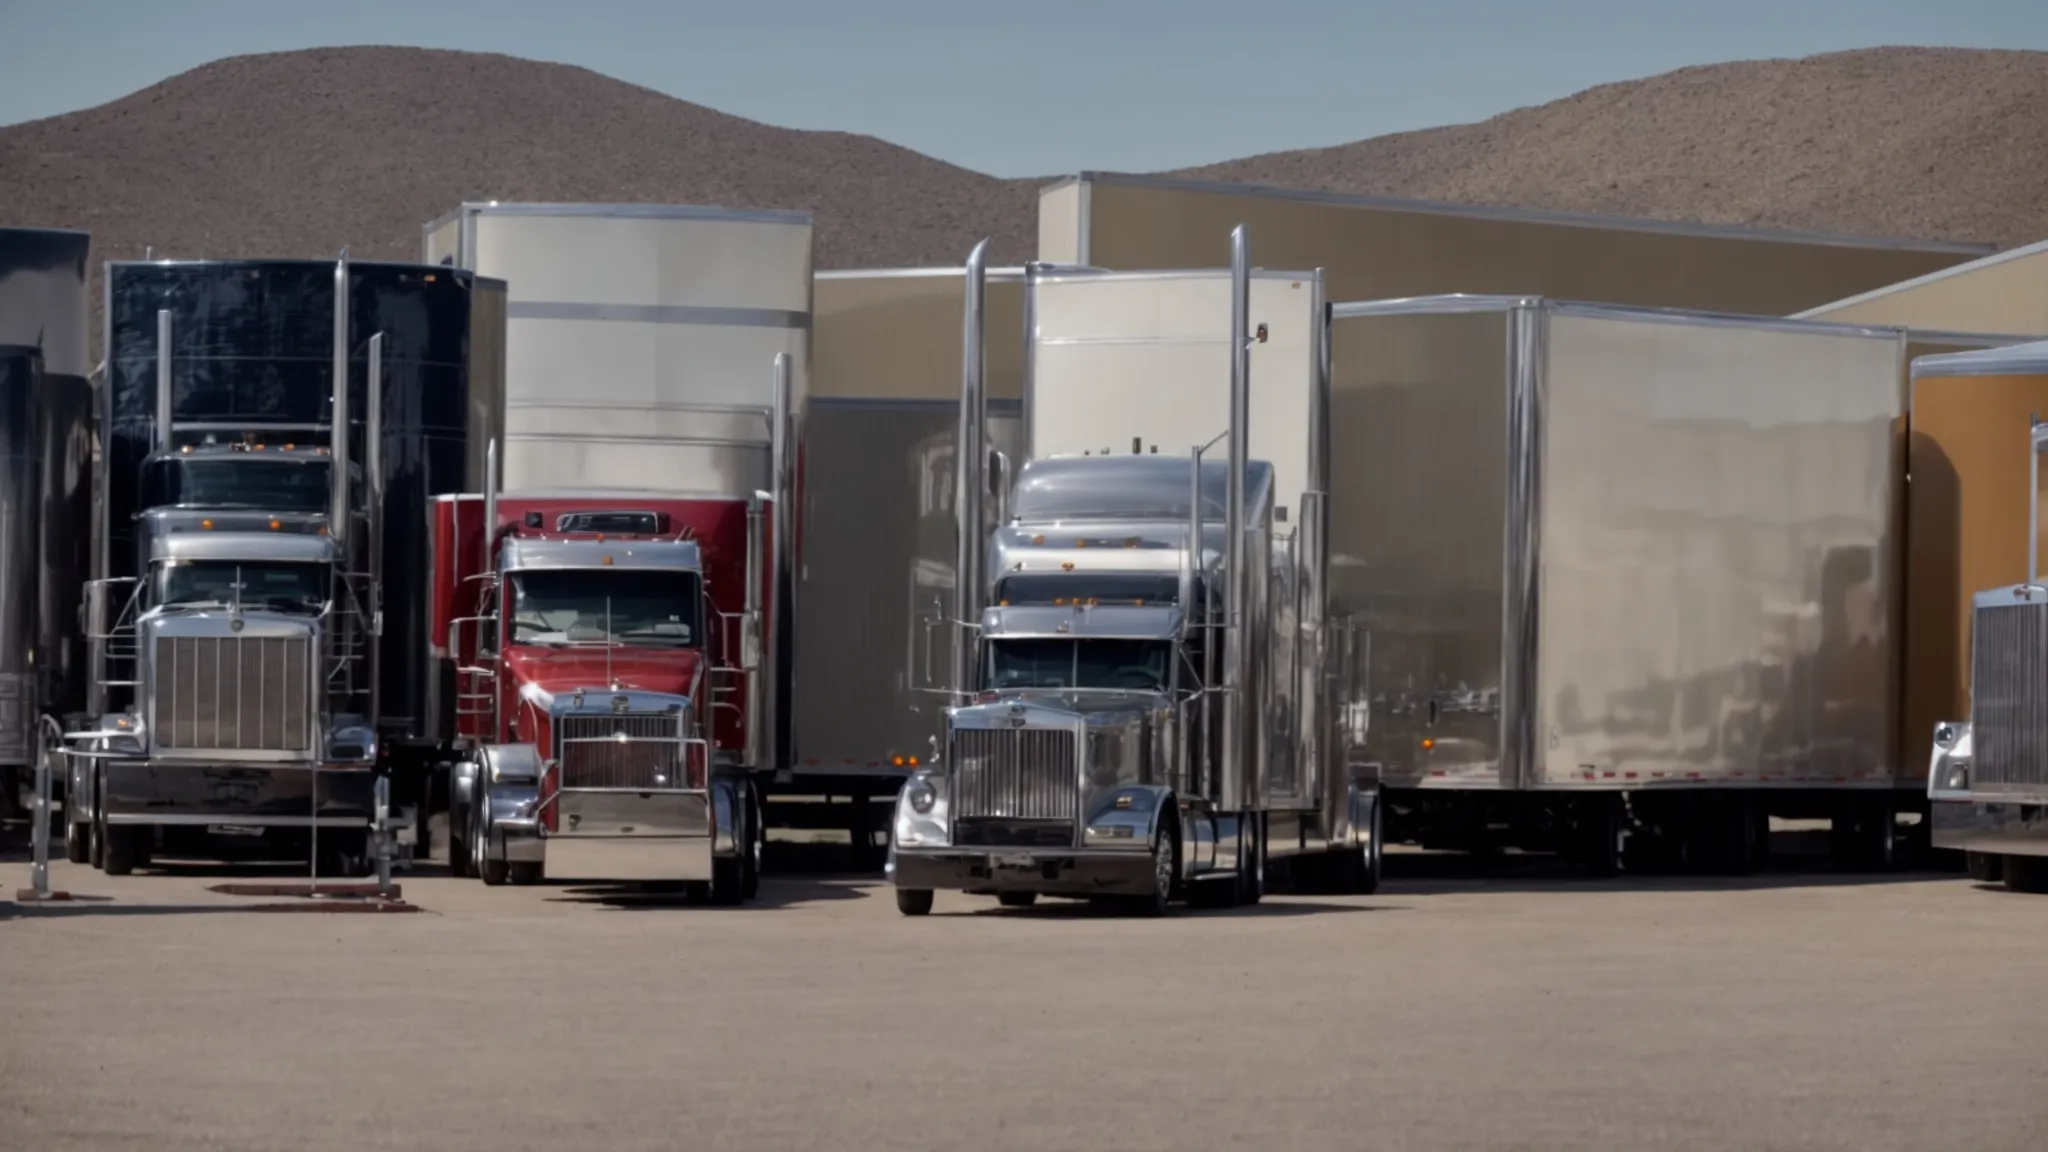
(234, 693)
(1015, 773)
(2009, 697)
(650, 756)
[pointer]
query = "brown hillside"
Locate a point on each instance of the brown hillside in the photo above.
(300, 153)
(1930, 143)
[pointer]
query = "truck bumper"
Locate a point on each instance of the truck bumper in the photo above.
(631, 837)
(1048, 871)
(2004, 828)
(241, 794)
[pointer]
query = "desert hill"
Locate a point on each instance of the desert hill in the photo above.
(300, 153)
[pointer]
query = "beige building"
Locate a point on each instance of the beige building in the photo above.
(2007, 292)
(1376, 248)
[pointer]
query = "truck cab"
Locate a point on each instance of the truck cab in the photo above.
(231, 725)
(1075, 767)
(590, 687)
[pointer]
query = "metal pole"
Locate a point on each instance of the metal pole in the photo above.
(2033, 498)
(164, 413)
(970, 483)
(1236, 568)
(39, 865)
(373, 469)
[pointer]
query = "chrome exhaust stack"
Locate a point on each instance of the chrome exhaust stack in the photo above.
(1232, 788)
(337, 489)
(164, 408)
(970, 458)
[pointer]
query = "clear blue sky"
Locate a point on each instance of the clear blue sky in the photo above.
(1018, 89)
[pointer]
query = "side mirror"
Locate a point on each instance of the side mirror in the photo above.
(750, 642)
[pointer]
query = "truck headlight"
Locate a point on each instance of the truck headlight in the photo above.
(922, 797)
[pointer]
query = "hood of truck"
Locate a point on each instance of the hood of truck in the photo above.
(544, 673)
(1038, 706)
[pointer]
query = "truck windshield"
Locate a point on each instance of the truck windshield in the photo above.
(271, 483)
(267, 585)
(1131, 665)
(604, 606)
(1087, 587)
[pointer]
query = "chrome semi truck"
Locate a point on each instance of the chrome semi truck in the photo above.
(1987, 778)
(257, 616)
(1139, 665)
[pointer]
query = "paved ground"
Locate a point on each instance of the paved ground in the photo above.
(1521, 1012)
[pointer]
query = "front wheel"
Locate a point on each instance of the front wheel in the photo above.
(2027, 874)
(1165, 867)
(1986, 867)
(914, 901)
(491, 872)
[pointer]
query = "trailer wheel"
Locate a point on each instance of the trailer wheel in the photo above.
(1014, 899)
(122, 851)
(914, 901)
(2027, 874)
(1985, 867)
(524, 873)
(1358, 870)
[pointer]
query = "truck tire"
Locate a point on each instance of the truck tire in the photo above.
(121, 853)
(727, 878)
(77, 833)
(1165, 865)
(914, 901)
(2027, 874)
(1985, 867)
(1016, 899)
(750, 858)
(1251, 860)
(491, 872)
(524, 873)
(1600, 825)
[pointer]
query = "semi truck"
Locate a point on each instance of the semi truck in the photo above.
(46, 449)
(658, 355)
(605, 648)
(256, 618)
(643, 340)
(1987, 773)
(1138, 657)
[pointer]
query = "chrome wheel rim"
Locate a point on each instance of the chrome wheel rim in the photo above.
(1162, 864)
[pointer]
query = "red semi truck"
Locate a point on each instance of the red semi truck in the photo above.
(601, 653)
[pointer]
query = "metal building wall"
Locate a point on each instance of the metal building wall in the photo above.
(1378, 248)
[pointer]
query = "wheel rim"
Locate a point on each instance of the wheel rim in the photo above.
(1258, 859)
(1162, 864)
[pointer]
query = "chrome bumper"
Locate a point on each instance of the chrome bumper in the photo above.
(1976, 826)
(621, 836)
(1049, 871)
(252, 795)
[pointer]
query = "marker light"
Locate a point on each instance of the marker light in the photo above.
(276, 524)
(1067, 566)
(1427, 744)
(607, 559)
(206, 524)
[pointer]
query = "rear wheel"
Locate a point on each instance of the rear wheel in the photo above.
(524, 872)
(1985, 867)
(122, 853)
(1599, 829)
(1016, 899)
(77, 833)
(914, 901)
(750, 858)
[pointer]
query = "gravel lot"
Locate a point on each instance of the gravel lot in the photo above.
(1523, 1011)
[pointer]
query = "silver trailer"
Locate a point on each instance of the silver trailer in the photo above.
(1625, 578)
(46, 448)
(1987, 777)
(1138, 657)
